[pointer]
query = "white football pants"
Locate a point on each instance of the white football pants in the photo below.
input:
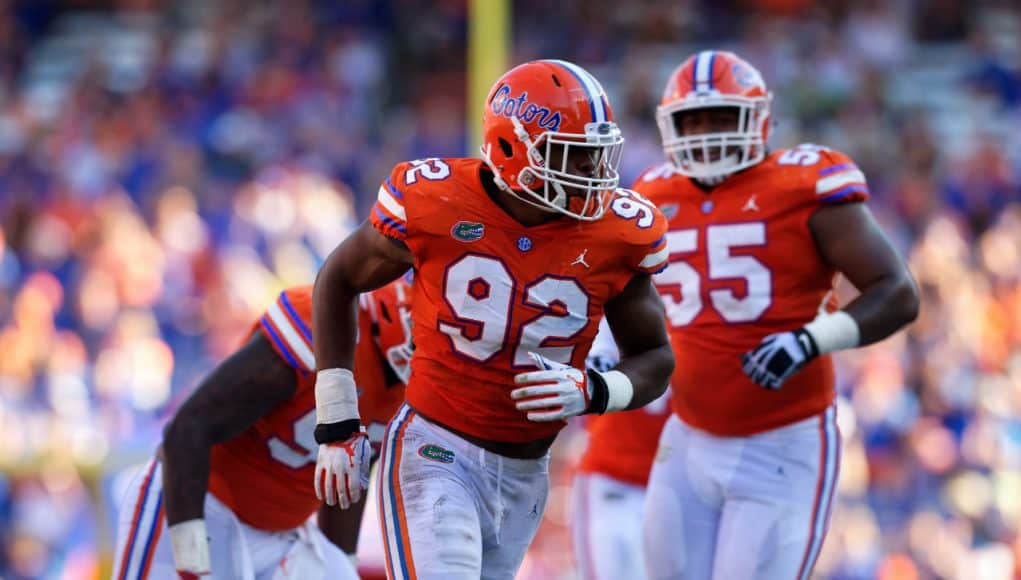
(236, 550)
(606, 527)
(741, 508)
(451, 510)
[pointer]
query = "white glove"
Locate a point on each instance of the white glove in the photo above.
(555, 393)
(342, 470)
(778, 357)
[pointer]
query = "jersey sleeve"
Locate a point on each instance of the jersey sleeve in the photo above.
(287, 324)
(388, 214)
(650, 253)
(839, 180)
(658, 172)
(652, 259)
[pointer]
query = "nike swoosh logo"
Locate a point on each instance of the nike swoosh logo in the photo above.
(806, 344)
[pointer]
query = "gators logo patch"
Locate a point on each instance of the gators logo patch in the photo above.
(468, 231)
(669, 210)
(436, 453)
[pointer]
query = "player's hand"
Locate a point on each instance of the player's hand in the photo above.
(554, 393)
(342, 470)
(778, 357)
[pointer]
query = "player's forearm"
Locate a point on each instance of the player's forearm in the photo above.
(185, 480)
(185, 472)
(649, 372)
(884, 307)
(334, 320)
(240, 390)
(341, 527)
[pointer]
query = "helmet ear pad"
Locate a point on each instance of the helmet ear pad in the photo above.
(505, 147)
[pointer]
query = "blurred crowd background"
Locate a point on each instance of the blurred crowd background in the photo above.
(167, 167)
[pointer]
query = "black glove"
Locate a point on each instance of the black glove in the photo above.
(778, 357)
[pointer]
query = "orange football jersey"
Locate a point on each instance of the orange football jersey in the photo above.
(744, 264)
(488, 290)
(264, 474)
(623, 445)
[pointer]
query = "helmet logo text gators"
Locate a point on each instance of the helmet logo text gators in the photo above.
(746, 76)
(468, 231)
(508, 106)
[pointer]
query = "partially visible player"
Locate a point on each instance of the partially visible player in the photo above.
(608, 492)
(516, 255)
(747, 466)
(232, 478)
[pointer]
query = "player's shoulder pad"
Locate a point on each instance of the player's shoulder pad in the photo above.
(397, 200)
(655, 172)
(656, 180)
(288, 325)
(828, 175)
(642, 226)
(424, 175)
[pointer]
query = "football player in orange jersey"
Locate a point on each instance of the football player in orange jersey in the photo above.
(232, 477)
(747, 466)
(608, 491)
(516, 255)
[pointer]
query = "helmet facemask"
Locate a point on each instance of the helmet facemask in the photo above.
(547, 182)
(712, 157)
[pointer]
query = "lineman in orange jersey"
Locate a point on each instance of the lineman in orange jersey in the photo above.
(608, 492)
(237, 458)
(517, 256)
(747, 466)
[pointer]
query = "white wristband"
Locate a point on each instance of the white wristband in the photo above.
(834, 331)
(336, 396)
(619, 390)
(189, 545)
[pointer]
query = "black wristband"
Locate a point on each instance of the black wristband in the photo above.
(333, 432)
(600, 393)
(807, 342)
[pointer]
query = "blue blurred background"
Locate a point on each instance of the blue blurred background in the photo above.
(167, 167)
